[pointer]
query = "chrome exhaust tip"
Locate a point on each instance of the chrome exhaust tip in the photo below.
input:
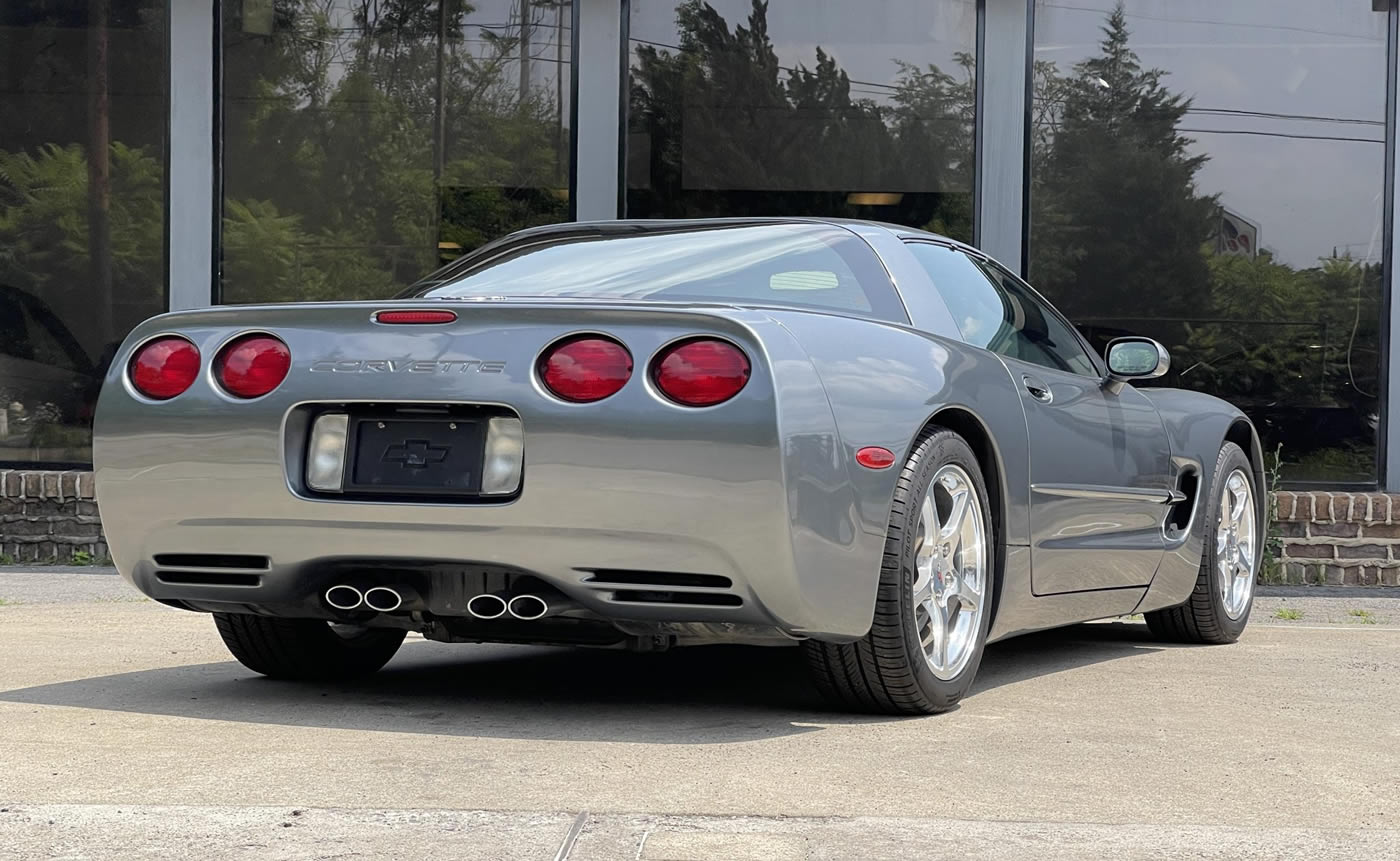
(344, 597)
(383, 599)
(527, 607)
(487, 606)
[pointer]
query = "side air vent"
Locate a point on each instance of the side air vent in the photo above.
(694, 599)
(613, 576)
(207, 578)
(662, 587)
(213, 560)
(1179, 516)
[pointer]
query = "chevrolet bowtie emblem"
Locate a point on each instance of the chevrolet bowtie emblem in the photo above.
(415, 454)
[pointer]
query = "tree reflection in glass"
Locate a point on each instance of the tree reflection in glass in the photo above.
(1133, 188)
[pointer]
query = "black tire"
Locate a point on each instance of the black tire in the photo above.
(305, 649)
(885, 671)
(1202, 617)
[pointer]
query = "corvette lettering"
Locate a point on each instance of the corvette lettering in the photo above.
(406, 366)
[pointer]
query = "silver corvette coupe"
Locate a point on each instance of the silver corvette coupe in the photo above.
(871, 442)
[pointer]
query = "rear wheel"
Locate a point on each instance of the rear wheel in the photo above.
(1219, 606)
(306, 649)
(932, 610)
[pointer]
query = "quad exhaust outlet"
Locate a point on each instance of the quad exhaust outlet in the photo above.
(487, 606)
(389, 599)
(344, 597)
(383, 599)
(527, 607)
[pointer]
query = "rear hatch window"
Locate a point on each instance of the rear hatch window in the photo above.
(785, 265)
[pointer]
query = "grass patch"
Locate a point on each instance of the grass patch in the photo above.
(1365, 616)
(1292, 614)
(6, 602)
(81, 557)
(7, 559)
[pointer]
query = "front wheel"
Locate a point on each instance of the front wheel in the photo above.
(306, 649)
(933, 606)
(1219, 606)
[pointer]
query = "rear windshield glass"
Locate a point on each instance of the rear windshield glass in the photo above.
(795, 265)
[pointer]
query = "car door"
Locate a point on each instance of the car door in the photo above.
(1099, 460)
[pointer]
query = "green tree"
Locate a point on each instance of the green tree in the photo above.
(1119, 220)
(357, 144)
(44, 235)
(728, 130)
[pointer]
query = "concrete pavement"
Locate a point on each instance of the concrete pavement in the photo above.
(126, 729)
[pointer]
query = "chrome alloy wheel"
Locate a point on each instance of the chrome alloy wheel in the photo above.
(950, 577)
(1236, 544)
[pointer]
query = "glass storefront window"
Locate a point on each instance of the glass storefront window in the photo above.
(789, 107)
(367, 143)
(83, 114)
(1212, 175)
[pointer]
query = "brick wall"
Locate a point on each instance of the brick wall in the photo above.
(1339, 539)
(47, 516)
(1342, 539)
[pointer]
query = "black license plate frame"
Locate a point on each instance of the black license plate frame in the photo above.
(426, 456)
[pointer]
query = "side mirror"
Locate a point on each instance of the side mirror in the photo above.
(1135, 359)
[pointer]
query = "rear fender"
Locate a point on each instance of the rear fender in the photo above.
(884, 384)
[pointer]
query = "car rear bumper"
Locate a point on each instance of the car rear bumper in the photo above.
(305, 557)
(633, 483)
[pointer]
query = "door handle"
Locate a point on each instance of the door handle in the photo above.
(1038, 389)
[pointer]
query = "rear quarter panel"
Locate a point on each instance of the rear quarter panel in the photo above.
(883, 384)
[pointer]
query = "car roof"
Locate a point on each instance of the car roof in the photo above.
(626, 226)
(643, 226)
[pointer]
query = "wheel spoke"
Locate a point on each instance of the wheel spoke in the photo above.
(1246, 558)
(967, 593)
(952, 528)
(1241, 500)
(938, 623)
(923, 587)
(928, 525)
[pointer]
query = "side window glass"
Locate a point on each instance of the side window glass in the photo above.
(45, 344)
(1042, 336)
(997, 312)
(14, 333)
(975, 303)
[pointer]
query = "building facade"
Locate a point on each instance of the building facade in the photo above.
(1216, 174)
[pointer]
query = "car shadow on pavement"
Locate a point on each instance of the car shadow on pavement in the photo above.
(704, 695)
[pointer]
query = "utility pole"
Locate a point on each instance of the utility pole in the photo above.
(440, 112)
(524, 50)
(99, 170)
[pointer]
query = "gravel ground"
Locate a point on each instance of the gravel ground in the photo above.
(1326, 606)
(63, 585)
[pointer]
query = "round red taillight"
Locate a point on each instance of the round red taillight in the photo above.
(585, 369)
(252, 366)
(164, 368)
(702, 372)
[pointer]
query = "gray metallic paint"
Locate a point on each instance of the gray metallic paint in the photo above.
(762, 489)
